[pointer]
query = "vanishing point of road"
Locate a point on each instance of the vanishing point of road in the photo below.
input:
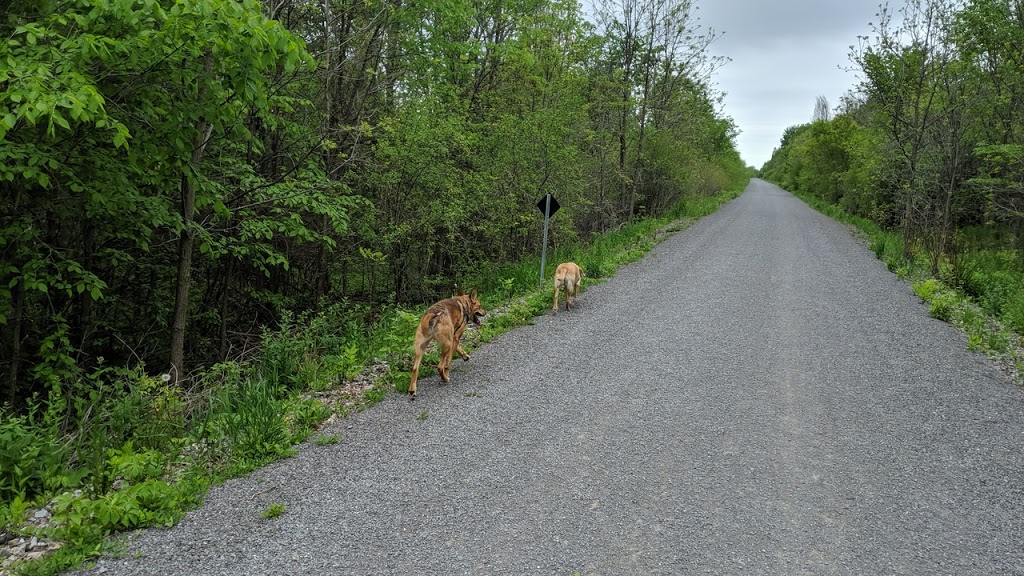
(759, 395)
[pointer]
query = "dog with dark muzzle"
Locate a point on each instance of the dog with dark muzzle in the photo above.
(445, 321)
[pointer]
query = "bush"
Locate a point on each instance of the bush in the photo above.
(30, 458)
(1014, 312)
(927, 289)
(942, 306)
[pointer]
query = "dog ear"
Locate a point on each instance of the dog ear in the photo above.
(472, 294)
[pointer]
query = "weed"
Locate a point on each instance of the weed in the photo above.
(942, 305)
(927, 289)
(323, 440)
(302, 415)
(422, 416)
(507, 284)
(273, 511)
(29, 457)
(378, 392)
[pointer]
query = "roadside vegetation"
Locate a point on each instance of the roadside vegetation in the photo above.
(926, 155)
(221, 219)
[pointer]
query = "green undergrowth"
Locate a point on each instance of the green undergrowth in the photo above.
(134, 451)
(981, 291)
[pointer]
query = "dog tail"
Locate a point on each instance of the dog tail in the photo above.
(433, 319)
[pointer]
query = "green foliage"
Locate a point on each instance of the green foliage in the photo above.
(995, 280)
(302, 416)
(941, 303)
(324, 440)
(249, 417)
(599, 261)
(144, 504)
(103, 120)
(30, 458)
(926, 290)
(12, 511)
(950, 305)
(272, 511)
(889, 248)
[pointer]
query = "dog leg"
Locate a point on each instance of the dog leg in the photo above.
(462, 353)
(420, 348)
(555, 306)
(415, 374)
(446, 361)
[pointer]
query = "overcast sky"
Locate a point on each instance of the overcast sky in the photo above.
(785, 53)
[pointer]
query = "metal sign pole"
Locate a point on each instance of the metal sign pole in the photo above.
(544, 248)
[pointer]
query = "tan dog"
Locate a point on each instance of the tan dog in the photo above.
(568, 276)
(445, 322)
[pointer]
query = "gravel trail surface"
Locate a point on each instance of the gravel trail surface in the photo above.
(759, 395)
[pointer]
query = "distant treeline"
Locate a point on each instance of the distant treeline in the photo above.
(174, 175)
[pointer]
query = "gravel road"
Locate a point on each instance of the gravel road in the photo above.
(756, 396)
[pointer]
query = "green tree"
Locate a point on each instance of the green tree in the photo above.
(111, 115)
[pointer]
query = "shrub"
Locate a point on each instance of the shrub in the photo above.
(927, 289)
(29, 457)
(942, 305)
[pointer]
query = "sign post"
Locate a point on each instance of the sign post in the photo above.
(548, 205)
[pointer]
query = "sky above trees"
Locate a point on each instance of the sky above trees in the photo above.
(784, 55)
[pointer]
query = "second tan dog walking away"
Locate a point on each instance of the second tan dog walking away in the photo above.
(445, 321)
(568, 276)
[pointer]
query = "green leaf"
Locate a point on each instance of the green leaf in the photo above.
(59, 119)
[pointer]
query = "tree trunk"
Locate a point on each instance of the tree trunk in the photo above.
(185, 245)
(225, 298)
(15, 339)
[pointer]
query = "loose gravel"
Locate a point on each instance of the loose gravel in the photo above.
(759, 395)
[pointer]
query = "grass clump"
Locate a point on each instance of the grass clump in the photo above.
(275, 510)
